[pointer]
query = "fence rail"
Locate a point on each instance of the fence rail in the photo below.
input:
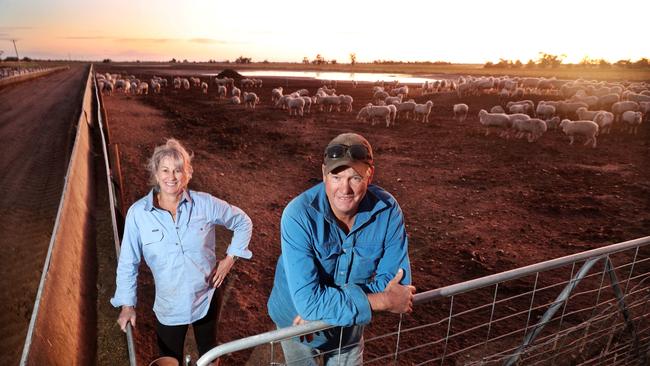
(589, 308)
(113, 206)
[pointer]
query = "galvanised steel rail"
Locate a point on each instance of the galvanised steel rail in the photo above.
(111, 197)
(514, 353)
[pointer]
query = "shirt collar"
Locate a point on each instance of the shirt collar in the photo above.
(148, 206)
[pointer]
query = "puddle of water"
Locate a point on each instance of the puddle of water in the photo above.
(339, 76)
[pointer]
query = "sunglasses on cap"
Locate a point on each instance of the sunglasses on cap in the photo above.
(355, 152)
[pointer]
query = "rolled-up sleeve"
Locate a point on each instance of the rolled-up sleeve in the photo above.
(236, 220)
(313, 298)
(128, 262)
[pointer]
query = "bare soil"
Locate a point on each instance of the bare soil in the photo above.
(37, 119)
(474, 204)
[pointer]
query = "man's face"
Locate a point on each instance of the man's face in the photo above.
(345, 188)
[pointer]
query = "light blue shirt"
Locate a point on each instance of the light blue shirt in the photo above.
(325, 274)
(181, 254)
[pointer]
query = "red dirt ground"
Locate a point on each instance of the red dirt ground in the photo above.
(474, 205)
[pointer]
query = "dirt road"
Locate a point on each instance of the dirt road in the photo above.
(37, 120)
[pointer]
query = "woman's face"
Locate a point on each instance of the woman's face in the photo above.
(170, 178)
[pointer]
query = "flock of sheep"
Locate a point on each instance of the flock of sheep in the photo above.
(589, 108)
(579, 108)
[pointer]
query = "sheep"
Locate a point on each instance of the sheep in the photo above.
(533, 127)
(529, 106)
(393, 113)
(370, 112)
(406, 108)
(460, 111)
(276, 94)
(545, 111)
(568, 109)
(177, 83)
(584, 114)
(633, 120)
(346, 102)
(143, 88)
(606, 101)
(494, 120)
(250, 100)
(497, 109)
(282, 102)
(380, 95)
(604, 120)
(235, 100)
(423, 110)
(108, 87)
(302, 92)
(221, 91)
(204, 87)
(619, 108)
(155, 85)
(553, 123)
(588, 129)
(518, 108)
(308, 103)
(296, 106)
(195, 81)
(394, 100)
(235, 92)
(329, 102)
(186, 84)
(404, 90)
(644, 107)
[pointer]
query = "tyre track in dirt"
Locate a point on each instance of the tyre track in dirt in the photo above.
(37, 126)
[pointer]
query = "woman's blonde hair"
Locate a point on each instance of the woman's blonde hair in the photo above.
(172, 149)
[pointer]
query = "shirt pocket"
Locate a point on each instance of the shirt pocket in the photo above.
(328, 256)
(154, 249)
(365, 262)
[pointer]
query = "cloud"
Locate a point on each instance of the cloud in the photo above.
(207, 41)
(83, 37)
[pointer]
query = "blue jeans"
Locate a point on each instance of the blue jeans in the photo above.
(298, 354)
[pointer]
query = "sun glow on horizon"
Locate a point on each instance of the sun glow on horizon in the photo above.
(463, 32)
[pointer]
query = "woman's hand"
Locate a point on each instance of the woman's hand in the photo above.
(126, 315)
(221, 271)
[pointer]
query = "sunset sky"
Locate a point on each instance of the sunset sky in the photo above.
(455, 31)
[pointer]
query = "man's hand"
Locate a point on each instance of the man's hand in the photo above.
(299, 321)
(221, 271)
(126, 315)
(395, 298)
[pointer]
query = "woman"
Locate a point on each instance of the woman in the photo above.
(172, 227)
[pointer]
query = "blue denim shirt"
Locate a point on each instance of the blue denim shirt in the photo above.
(325, 274)
(180, 254)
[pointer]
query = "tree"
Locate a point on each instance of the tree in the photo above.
(517, 64)
(305, 60)
(106, 60)
(488, 65)
(353, 58)
(549, 60)
(319, 60)
(333, 62)
(243, 60)
(530, 64)
(643, 62)
(173, 61)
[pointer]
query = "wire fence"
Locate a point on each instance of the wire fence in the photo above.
(589, 308)
(114, 208)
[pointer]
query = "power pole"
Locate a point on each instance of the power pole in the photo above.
(18, 57)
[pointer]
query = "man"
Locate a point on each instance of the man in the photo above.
(344, 255)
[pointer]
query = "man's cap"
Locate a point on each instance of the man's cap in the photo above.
(349, 139)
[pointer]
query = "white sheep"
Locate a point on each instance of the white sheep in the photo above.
(644, 107)
(406, 108)
(346, 102)
(553, 123)
(423, 110)
(370, 112)
(394, 100)
(494, 120)
(533, 127)
(586, 115)
(143, 88)
(177, 83)
(588, 129)
(460, 111)
(497, 109)
(604, 120)
(619, 108)
(329, 102)
(235, 100)
(186, 84)
(221, 91)
(276, 94)
(235, 92)
(204, 87)
(250, 100)
(633, 120)
(545, 111)
(308, 102)
(296, 106)
(518, 108)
